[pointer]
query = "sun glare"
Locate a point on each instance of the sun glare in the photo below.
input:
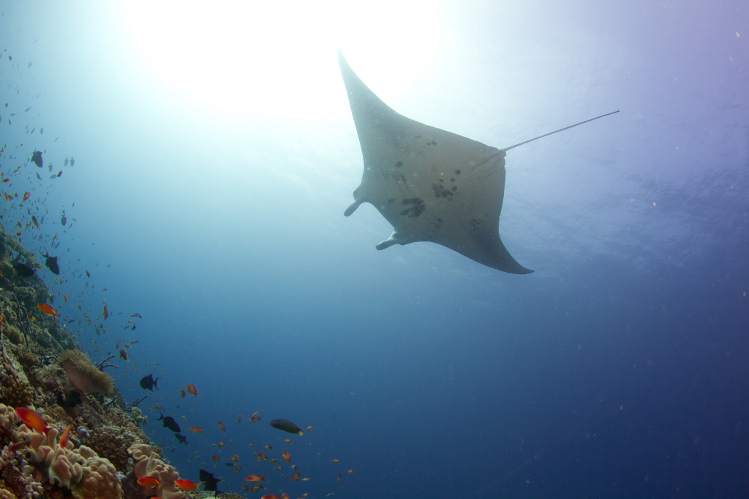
(269, 58)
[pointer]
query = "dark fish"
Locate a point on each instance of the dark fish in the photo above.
(148, 383)
(37, 158)
(72, 162)
(182, 439)
(287, 426)
(51, 263)
(209, 481)
(69, 400)
(169, 422)
(63, 218)
(23, 270)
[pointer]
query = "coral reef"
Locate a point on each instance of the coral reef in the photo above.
(84, 375)
(149, 463)
(41, 367)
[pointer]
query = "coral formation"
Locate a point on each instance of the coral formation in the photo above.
(84, 375)
(86, 474)
(36, 371)
(149, 463)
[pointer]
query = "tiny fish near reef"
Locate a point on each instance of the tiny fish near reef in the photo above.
(32, 419)
(148, 383)
(210, 482)
(36, 157)
(169, 422)
(51, 263)
(48, 310)
(287, 426)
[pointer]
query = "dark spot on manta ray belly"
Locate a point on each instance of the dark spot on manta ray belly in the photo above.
(457, 172)
(399, 164)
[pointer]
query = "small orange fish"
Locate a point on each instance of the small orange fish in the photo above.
(335, 461)
(270, 496)
(221, 425)
(261, 457)
(14, 447)
(351, 472)
(296, 476)
(149, 481)
(8, 197)
(186, 485)
(181, 393)
(309, 427)
(254, 478)
(65, 436)
(277, 468)
(193, 391)
(64, 298)
(220, 444)
(286, 456)
(196, 429)
(26, 195)
(339, 478)
(274, 460)
(287, 441)
(48, 310)
(216, 458)
(6, 180)
(32, 419)
(235, 458)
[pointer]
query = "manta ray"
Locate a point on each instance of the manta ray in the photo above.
(430, 184)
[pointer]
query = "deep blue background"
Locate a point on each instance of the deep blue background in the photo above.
(617, 369)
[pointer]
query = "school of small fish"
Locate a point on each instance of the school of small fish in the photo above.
(77, 299)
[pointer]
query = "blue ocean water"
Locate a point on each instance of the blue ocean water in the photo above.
(215, 154)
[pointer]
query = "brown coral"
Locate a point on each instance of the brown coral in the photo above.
(112, 442)
(84, 375)
(15, 389)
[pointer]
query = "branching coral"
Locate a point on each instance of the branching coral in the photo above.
(148, 463)
(84, 375)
